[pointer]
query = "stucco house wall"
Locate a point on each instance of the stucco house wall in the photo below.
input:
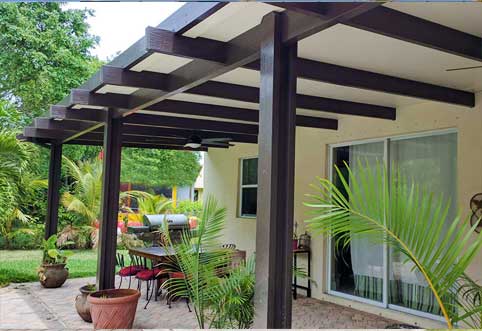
(221, 177)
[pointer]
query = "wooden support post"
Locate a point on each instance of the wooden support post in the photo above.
(274, 225)
(109, 203)
(53, 190)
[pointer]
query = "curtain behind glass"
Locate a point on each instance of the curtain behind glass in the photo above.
(367, 257)
(431, 162)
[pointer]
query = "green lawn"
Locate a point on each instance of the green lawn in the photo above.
(21, 266)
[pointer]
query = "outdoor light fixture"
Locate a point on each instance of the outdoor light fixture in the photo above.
(58, 119)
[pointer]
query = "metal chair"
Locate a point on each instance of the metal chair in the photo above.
(128, 271)
(152, 276)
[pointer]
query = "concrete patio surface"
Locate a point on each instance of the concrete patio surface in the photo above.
(29, 306)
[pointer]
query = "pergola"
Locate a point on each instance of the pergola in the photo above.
(247, 77)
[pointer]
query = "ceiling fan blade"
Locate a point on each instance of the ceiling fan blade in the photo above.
(463, 68)
(217, 140)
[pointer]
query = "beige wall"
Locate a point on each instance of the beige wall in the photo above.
(221, 175)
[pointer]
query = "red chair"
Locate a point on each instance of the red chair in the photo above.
(128, 271)
(153, 278)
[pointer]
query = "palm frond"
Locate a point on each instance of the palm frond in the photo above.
(411, 221)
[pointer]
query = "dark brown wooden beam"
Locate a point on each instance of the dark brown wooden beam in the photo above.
(86, 98)
(351, 77)
(56, 135)
(53, 192)
(189, 123)
(176, 132)
(107, 243)
(67, 125)
(249, 115)
(415, 30)
(276, 168)
(88, 115)
(171, 43)
(139, 145)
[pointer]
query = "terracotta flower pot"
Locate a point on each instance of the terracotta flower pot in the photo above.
(113, 309)
(53, 275)
(82, 305)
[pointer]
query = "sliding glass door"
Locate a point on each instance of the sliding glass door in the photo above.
(370, 272)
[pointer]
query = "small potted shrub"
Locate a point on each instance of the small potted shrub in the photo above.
(53, 273)
(121, 303)
(82, 305)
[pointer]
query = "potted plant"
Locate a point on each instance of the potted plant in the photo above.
(82, 305)
(121, 303)
(53, 273)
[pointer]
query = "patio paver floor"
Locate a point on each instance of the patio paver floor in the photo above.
(29, 306)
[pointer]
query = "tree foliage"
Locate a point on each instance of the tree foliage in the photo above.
(44, 52)
(159, 167)
(18, 182)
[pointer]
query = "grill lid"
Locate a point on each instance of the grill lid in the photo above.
(173, 220)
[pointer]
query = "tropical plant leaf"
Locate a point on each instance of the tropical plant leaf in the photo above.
(391, 209)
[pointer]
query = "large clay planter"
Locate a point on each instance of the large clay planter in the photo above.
(113, 309)
(82, 305)
(53, 275)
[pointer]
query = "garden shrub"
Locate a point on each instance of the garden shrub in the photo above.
(25, 239)
(189, 208)
(126, 241)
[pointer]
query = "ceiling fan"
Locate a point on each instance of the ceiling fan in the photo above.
(464, 68)
(196, 141)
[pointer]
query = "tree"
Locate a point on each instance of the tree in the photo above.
(44, 52)
(17, 181)
(390, 209)
(159, 167)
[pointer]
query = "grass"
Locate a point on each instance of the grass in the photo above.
(21, 266)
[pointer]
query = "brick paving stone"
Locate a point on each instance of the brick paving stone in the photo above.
(30, 306)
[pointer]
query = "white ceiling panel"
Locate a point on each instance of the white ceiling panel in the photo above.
(116, 89)
(162, 63)
(355, 48)
(462, 16)
(231, 20)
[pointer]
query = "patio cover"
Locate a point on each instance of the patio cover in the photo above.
(198, 72)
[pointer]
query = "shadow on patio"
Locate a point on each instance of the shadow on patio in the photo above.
(28, 305)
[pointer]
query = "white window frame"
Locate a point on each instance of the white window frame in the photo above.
(241, 187)
(384, 303)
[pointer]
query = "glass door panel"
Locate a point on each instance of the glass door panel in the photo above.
(357, 269)
(431, 162)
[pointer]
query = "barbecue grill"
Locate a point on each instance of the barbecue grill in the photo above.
(150, 230)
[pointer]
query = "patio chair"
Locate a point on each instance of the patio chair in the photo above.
(153, 277)
(170, 296)
(130, 270)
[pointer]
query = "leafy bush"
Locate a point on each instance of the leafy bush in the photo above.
(79, 237)
(189, 208)
(126, 241)
(25, 239)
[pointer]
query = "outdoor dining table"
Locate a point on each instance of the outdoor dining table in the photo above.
(155, 253)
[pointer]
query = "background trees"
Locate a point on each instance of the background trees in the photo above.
(45, 50)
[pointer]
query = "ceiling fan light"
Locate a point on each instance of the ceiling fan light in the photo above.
(192, 145)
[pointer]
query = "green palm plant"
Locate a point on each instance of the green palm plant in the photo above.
(200, 258)
(149, 204)
(17, 181)
(411, 221)
(87, 188)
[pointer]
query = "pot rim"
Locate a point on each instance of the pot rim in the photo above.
(130, 295)
(84, 290)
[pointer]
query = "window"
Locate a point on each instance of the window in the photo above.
(248, 192)
(371, 272)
